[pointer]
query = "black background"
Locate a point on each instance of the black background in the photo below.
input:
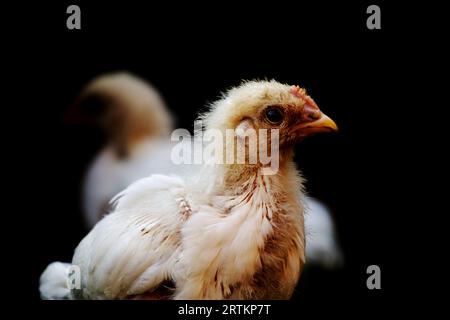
(192, 52)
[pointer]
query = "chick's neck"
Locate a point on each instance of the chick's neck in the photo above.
(236, 177)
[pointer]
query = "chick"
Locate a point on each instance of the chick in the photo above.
(231, 232)
(137, 123)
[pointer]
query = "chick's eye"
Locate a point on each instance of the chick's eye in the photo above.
(274, 115)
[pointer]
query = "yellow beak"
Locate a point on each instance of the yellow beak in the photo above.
(323, 124)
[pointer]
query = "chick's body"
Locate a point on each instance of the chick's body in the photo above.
(224, 247)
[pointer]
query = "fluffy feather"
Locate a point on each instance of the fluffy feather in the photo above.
(53, 282)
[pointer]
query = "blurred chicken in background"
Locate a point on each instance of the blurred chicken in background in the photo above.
(137, 124)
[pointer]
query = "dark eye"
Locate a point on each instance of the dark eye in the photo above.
(274, 115)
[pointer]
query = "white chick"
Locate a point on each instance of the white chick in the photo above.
(138, 124)
(230, 233)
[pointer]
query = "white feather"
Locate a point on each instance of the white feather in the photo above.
(128, 246)
(53, 282)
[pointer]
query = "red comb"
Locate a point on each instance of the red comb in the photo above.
(301, 94)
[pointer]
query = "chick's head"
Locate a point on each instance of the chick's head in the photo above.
(270, 105)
